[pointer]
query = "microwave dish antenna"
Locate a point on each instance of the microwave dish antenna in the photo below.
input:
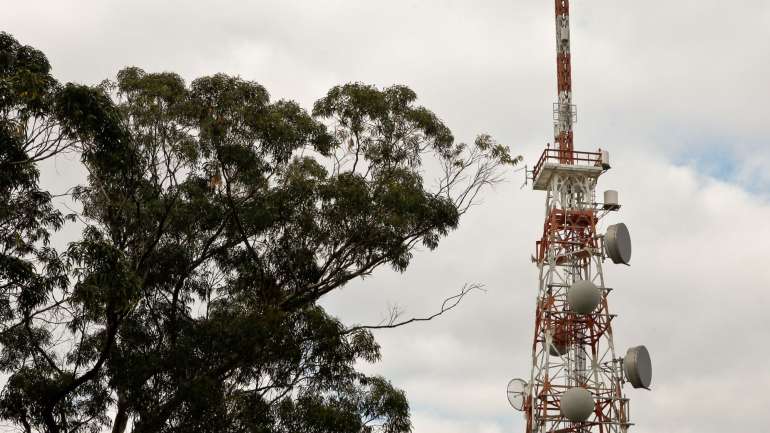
(638, 367)
(517, 393)
(618, 243)
(583, 296)
(577, 404)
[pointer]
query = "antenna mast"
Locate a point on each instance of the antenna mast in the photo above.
(576, 380)
(564, 111)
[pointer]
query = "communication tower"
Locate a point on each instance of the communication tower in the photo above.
(576, 381)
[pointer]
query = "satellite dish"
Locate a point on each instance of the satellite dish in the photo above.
(638, 367)
(577, 404)
(583, 296)
(517, 393)
(557, 349)
(618, 243)
(558, 346)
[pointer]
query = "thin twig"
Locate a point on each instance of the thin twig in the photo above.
(448, 304)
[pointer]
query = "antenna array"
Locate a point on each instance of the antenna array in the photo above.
(576, 380)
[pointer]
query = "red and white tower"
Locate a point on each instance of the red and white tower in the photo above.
(576, 381)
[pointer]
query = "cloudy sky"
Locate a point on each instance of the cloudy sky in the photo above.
(677, 91)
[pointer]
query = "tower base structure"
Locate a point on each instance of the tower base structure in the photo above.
(576, 380)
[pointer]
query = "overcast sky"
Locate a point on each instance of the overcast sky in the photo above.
(677, 91)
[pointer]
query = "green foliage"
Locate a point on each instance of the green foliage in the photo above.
(216, 219)
(40, 118)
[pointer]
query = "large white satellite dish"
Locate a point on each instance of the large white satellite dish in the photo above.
(517, 393)
(618, 243)
(638, 367)
(577, 404)
(557, 349)
(583, 297)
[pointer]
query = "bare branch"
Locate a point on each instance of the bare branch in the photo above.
(448, 304)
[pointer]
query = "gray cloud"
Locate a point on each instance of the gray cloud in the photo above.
(664, 85)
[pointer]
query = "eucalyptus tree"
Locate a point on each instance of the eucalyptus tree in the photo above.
(39, 118)
(214, 220)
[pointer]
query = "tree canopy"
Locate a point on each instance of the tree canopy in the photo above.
(214, 219)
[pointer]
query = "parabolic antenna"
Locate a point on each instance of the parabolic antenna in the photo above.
(559, 338)
(618, 244)
(557, 349)
(583, 296)
(517, 393)
(638, 367)
(577, 404)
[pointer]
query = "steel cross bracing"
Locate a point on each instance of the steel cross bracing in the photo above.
(570, 251)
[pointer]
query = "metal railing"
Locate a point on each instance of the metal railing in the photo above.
(573, 157)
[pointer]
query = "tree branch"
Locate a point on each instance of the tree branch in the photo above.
(448, 304)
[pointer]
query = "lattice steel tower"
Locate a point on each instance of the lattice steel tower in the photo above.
(576, 381)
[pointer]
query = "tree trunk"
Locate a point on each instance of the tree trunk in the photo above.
(121, 418)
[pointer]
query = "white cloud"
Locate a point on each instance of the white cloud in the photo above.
(695, 295)
(434, 423)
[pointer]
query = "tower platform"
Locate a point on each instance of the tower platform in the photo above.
(569, 163)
